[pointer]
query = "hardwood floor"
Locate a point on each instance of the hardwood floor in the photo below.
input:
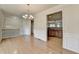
(56, 45)
(31, 45)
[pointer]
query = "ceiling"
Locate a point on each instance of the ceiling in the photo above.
(17, 9)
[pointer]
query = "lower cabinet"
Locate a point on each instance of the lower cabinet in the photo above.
(55, 33)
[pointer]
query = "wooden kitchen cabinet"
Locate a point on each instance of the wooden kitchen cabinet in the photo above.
(51, 33)
(55, 24)
(54, 33)
(58, 33)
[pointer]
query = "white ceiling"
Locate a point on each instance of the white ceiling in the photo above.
(22, 8)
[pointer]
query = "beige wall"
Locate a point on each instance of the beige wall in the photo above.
(71, 18)
(71, 29)
(70, 25)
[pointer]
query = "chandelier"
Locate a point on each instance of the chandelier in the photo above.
(28, 15)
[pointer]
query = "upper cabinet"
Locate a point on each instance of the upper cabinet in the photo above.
(55, 20)
(55, 24)
(55, 16)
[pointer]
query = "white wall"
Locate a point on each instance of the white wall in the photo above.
(70, 25)
(12, 22)
(25, 27)
(11, 26)
(40, 22)
(40, 27)
(14, 25)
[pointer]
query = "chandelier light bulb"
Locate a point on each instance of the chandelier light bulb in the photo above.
(28, 15)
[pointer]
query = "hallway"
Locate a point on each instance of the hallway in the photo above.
(29, 44)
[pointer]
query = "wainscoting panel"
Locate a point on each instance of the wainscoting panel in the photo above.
(71, 41)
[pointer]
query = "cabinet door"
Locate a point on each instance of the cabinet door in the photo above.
(60, 34)
(55, 16)
(52, 33)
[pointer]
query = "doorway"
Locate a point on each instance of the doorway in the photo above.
(32, 27)
(55, 30)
